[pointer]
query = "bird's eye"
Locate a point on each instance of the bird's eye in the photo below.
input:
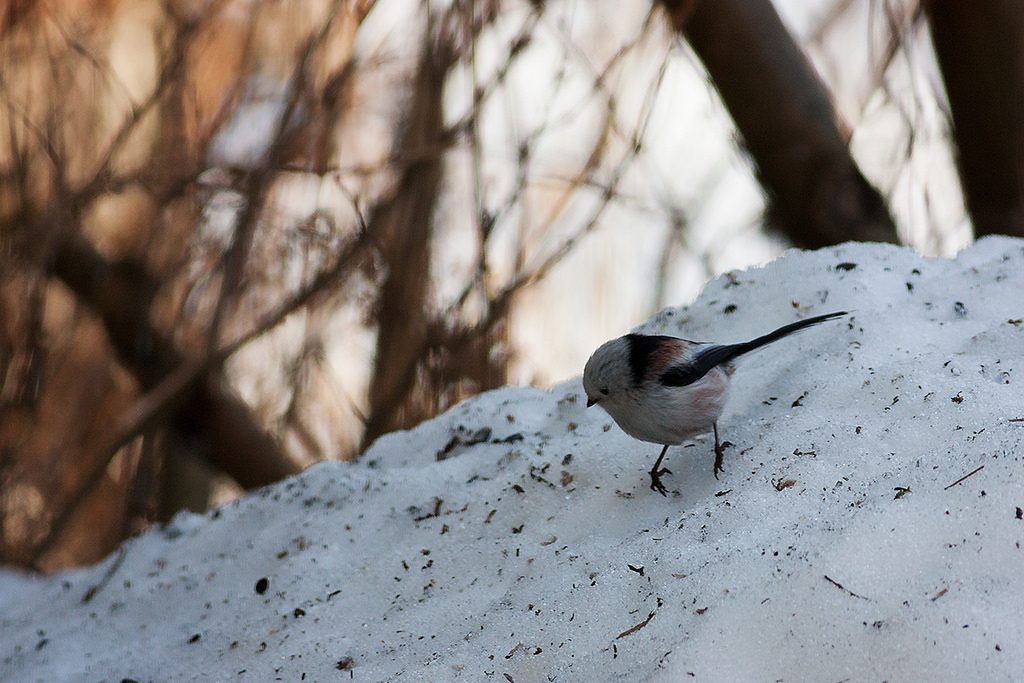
(604, 391)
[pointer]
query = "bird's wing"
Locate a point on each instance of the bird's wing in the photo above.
(707, 357)
(690, 371)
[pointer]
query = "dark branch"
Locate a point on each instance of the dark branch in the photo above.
(817, 195)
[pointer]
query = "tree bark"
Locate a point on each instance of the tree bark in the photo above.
(817, 195)
(980, 48)
(403, 223)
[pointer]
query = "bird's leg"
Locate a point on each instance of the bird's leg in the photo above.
(719, 450)
(656, 473)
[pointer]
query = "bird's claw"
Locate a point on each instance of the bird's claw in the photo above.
(719, 455)
(656, 484)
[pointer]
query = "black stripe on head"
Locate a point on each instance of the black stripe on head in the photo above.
(641, 348)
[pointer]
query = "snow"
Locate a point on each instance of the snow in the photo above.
(515, 537)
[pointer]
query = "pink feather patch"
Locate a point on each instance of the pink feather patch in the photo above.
(665, 356)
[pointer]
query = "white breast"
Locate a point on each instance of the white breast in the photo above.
(670, 415)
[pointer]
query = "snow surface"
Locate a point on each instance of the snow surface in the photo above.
(837, 544)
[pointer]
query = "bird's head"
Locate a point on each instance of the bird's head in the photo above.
(607, 374)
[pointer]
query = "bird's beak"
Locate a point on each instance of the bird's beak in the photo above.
(591, 402)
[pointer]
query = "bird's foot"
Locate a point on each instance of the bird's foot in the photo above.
(656, 484)
(719, 455)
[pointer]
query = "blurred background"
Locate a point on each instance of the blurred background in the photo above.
(238, 237)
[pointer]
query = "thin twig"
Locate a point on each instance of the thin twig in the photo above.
(969, 474)
(257, 183)
(633, 629)
(842, 587)
(107, 576)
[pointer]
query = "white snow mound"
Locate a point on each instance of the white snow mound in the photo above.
(516, 538)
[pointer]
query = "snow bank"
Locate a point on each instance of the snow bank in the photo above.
(515, 537)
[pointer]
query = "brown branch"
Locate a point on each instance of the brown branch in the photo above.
(633, 629)
(239, 448)
(979, 46)
(403, 222)
(473, 341)
(171, 73)
(257, 183)
(961, 479)
(817, 194)
(842, 587)
(121, 294)
(184, 389)
(481, 93)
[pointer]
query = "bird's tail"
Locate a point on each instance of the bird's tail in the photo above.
(716, 355)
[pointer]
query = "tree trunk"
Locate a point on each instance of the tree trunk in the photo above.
(980, 48)
(817, 195)
(403, 222)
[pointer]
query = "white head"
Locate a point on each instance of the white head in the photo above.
(608, 374)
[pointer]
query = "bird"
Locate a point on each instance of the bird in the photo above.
(665, 390)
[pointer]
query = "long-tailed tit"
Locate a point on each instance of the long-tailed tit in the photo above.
(666, 390)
